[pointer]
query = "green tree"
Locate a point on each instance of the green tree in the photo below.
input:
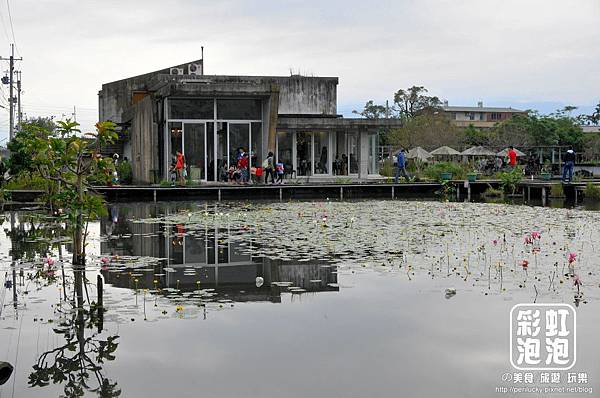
(414, 101)
(428, 130)
(70, 161)
(372, 111)
(472, 136)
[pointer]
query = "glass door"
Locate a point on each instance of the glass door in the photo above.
(321, 151)
(239, 137)
(194, 147)
(304, 154)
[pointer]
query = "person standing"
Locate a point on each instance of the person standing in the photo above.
(243, 164)
(180, 168)
(512, 157)
(569, 165)
(269, 166)
(401, 166)
(280, 170)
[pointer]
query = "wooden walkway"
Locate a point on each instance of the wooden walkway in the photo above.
(529, 189)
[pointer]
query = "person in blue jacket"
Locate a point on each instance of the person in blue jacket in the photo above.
(401, 166)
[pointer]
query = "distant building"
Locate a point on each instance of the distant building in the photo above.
(590, 129)
(479, 116)
(209, 117)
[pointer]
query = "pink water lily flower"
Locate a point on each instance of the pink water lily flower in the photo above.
(49, 261)
(494, 242)
(572, 257)
(536, 235)
(105, 260)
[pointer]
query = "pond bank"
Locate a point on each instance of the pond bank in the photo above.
(528, 189)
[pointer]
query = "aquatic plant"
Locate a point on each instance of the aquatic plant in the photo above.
(592, 191)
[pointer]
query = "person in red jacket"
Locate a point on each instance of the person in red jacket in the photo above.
(180, 168)
(512, 157)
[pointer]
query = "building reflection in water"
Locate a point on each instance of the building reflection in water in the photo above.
(214, 258)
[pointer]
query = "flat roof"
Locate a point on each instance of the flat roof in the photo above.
(480, 109)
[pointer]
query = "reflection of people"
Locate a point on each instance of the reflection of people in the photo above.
(179, 168)
(569, 165)
(323, 160)
(344, 165)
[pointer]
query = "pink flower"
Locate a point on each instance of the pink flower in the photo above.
(495, 242)
(577, 281)
(536, 235)
(528, 240)
(104, 260)
(49, 261)
(50, 273)
(524, 263)
(572, 257)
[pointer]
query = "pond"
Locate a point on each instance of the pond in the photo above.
(339, 299)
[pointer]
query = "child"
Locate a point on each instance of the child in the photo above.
(173, 173)
(279, 170)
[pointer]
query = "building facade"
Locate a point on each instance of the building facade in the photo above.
(209, 117)
(478, 116)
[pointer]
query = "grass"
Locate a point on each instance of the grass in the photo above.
(557, 191)
(492, 193)
(388, 169)
(592, 191)
(433, 171)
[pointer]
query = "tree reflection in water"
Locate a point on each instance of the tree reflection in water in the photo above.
(78, 363)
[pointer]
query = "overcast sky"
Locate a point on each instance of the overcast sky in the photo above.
(522, 53)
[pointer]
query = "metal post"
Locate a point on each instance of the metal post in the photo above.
(154, 194)
(543, 196)
(393, 192)
(341, 193)
(280, 194)
(100, 291)
(529, 193)
(19, 114)
(219, 194)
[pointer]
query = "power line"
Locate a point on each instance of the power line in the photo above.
(11, 27)
(4, 26)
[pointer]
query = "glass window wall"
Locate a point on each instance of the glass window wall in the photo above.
(239, 109)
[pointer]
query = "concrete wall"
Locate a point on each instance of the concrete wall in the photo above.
(308, 95)
(299, 95)
(144, 143)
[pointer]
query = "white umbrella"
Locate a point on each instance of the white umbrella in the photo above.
(478, 151)
(445, 151)
(418, 153)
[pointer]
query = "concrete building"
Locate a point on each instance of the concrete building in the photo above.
(209, 117)
(478, 116)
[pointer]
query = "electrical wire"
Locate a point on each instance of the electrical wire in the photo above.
(11, 27)
(4, 27)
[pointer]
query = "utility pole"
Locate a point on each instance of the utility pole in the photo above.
(19, 114)
(11, 99)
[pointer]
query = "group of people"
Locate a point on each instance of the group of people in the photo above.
(239, 171)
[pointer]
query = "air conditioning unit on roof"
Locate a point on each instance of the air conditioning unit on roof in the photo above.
(176, 71)
(195, 69)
